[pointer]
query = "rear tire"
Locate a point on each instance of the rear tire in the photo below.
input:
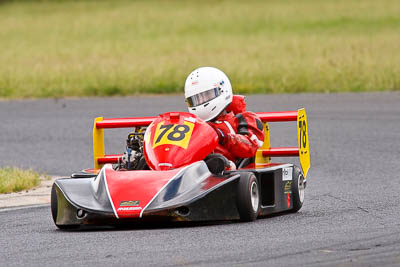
(298, 188)
(248, 197)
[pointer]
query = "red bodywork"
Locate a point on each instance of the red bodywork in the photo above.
(137, 187)
(172, 141)
(132, 191)
(177, 139)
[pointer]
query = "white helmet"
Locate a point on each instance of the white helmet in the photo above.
(208, 92)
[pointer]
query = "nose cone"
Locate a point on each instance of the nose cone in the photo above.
(178, 140)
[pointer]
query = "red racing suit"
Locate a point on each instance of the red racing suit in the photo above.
(240, 135)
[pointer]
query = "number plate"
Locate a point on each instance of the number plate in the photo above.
(173, 134)
(304, 149)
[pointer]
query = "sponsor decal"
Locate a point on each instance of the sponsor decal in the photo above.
(287, 174)
(129, 203)
(288, 200)
(288, 187)
(129, 208)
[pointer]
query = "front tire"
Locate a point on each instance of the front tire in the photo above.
(54, 210)
(248, 197)
(298, 188)
(54, 203)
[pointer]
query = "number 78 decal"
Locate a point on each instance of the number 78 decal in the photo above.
(173, 134)
(304, 148)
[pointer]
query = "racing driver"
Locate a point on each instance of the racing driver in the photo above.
(209, 96)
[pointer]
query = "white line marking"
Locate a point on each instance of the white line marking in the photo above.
(24, 207)
(108, 192)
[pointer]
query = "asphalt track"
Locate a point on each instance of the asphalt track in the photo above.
(350, 216)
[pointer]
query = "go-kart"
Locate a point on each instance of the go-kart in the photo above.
(166, 175)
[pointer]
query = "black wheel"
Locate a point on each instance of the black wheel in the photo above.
(298, 187)
(54, 210)
(248, 197)
(54, 203)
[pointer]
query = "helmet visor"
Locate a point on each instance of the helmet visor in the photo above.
(203, 97)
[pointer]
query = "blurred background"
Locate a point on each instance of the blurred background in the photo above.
(120, 47)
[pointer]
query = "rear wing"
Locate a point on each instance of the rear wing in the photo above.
(99, 156)
(263, 155)
(302, 151)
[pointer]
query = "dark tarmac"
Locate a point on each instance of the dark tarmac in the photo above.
(351, 214)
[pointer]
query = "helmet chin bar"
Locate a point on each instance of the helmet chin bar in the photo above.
(211, 119)
(222, 111)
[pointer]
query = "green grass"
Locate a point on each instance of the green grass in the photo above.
(14, 179)
(121, 47)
